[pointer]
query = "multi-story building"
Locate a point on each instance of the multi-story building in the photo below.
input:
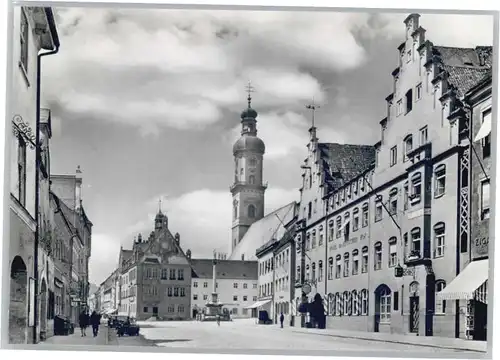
(277, 277)
(236, 285)
(46, 268)
(108, 294)
(34, 31)
(72, 243)
(471, 284)
(155, 276)
(323, 229)
(396, 215)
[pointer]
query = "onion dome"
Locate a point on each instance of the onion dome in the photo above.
(249, 143)
(249, 113)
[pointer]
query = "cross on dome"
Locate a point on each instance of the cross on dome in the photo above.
(250, 90)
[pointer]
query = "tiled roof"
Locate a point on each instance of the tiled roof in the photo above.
(226, 269)
(457, 56)
(466, 67)
(344, 162)
(464, 78)
(126, 254)
(263, 231)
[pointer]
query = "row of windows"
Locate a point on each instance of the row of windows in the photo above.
(132, 291)
(342, 197)
(408, 146)
(235, 297)
(164, 274)
(355, 303)
(128, 308)
(128, 278)
(235, 285)
(171, 291)
(413, 249)
(281, 284)
(280, 260)
(343, 225)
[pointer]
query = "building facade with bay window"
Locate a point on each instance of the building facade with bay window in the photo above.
(391, 221)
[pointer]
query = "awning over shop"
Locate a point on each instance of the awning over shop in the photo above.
(485, 129)
(468, 283)
(258, 304)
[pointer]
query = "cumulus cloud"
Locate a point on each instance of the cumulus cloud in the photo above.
(181, 69)
(202, 217)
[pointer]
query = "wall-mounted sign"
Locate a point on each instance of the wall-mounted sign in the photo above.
(480, 247)
(31, 308)
(351, 241)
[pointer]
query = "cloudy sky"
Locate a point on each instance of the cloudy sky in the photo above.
(148, 103)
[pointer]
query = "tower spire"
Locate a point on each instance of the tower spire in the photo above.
(250, 90)
(159, 206)
(313, 107)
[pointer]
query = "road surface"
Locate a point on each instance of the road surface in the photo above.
(248, 335)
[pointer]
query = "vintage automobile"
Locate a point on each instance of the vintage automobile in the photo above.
(115, 321)
(129, 328)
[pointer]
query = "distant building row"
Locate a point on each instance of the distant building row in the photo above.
(156, 279)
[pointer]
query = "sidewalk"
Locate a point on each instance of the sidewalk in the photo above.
(425, 341)
(79, 340)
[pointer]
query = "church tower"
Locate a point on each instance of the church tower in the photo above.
(248, 187)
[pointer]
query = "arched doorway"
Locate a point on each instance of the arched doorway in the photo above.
(43, 310)
(18, 301)
(383, 306)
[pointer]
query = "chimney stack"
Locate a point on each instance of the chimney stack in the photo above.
(78, 188)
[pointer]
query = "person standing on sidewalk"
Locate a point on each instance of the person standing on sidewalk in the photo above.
(282, 318)
(83, 322)
(95, 321)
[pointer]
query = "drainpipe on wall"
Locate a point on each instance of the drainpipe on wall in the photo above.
(50, 19)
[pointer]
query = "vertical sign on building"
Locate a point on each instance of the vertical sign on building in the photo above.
(31, 306)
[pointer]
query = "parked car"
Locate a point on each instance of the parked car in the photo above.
(129, 328)
(115, 321)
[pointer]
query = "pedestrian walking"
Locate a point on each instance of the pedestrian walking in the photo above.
(95, 320)
(282, 318)
(83, 322)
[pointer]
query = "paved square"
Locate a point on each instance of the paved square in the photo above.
(248, 335)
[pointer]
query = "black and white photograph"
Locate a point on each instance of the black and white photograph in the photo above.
(241, 180)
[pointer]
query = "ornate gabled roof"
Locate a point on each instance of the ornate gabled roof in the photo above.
(226, 269)
(344, 162)
(126, 254)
